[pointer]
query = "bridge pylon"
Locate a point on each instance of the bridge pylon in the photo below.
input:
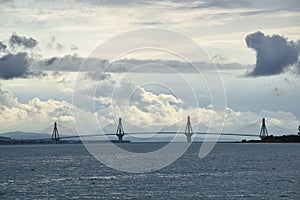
(188, 130)
(120, 131)
(263, 131)
(55, 134)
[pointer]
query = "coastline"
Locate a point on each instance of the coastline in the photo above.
(276, 139)
(268, 139)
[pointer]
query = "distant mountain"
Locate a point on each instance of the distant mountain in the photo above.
(25, 135)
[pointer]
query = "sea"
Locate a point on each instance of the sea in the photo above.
(229, 171)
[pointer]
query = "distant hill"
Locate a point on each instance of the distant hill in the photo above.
(25, 135)
(4, 138)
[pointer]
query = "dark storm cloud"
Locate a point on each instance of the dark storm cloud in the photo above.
(22, 41)
(3, 47)
(17, 65)
(73, 63)
(68, 63)
(274, 54)
(14, 65)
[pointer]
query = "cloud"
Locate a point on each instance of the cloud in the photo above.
(59, 46)
(22, 41)
(74, 47)
(274, 54)
(6, 98)
(97, 77)
(142, 110)
(3, 47)
(14, 66)
(21, 116)
(68, 63)
(277, 92)
(145, 112)
(73, 63)
(139, 108)
(53, 44)
(17, 65)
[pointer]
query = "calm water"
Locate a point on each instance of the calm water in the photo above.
(230, 171)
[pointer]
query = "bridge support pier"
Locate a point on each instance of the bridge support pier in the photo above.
(188, 130)
(55, 134)
(120, 131)
(263, 131)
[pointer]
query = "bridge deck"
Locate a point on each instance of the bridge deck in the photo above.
(160, 133)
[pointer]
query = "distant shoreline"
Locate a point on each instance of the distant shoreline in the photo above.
(268, 139)
(276, 139)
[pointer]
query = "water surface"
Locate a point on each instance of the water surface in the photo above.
(230, 171)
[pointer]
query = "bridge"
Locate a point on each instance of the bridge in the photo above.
(120, 133)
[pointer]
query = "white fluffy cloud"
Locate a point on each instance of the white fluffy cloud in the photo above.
(36, 115)
(142, 110)
(139, 108)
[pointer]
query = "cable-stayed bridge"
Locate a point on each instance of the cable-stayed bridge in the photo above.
(120, 133)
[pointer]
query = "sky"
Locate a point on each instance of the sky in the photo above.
(77, 62)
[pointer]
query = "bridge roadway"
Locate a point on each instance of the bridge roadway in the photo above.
(160, 133)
